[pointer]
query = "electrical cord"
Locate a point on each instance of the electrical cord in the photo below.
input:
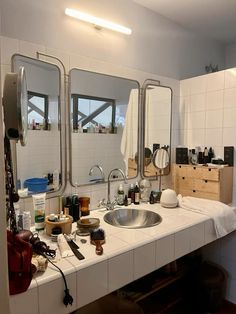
(43, 249)
(68, 299)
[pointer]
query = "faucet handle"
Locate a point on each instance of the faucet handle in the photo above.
(114, 203)
(102, 203)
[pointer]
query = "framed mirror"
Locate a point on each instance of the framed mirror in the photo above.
(41, 158)
(156, 137)
(103, 126)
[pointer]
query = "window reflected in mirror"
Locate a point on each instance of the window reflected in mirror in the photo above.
(157, 127)
(41, 157)
(104, 125)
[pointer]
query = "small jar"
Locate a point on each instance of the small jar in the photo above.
(84, 206)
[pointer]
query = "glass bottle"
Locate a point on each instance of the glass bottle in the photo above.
(136, 194)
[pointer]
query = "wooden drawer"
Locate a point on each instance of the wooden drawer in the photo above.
(206, 186)
(197, 172)
(200, 194)
(183, 183)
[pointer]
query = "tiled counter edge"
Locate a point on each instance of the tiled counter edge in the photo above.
(96, 278)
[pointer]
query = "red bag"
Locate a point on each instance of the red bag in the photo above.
(19, 263)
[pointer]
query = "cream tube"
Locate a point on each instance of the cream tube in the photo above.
(39, 201)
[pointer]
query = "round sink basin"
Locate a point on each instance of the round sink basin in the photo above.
(132, 218)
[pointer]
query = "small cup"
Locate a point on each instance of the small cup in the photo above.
(84, 206)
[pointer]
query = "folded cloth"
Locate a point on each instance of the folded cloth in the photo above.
(224, 216)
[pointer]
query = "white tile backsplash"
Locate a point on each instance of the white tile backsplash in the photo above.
(229, 97)
(230, 78)
(198, 102)
(198, 84)
(215, 81)
(214, 119)
(229, 119)
(196, 120)
(214, 100)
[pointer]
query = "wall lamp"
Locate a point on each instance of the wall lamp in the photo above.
(97, 22)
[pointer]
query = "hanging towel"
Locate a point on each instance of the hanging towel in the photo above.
(129, 140)
(224, 216)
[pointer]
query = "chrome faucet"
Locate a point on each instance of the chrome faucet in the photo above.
(101, 170)
(110, 205)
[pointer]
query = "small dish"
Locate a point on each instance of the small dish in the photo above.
(85, 225)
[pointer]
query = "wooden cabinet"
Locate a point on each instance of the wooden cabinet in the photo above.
(214, 183)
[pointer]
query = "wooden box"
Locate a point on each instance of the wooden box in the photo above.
(214, 183)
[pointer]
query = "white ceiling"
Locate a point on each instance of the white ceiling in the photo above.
(215, 19)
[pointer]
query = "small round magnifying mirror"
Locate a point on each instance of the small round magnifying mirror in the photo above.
(161, 158)
(161, 161)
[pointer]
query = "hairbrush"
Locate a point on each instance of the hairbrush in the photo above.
(97, 238)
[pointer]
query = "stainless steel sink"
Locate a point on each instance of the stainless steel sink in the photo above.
(132, 218)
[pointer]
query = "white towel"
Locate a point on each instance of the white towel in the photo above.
(223, 215)
(129, 141)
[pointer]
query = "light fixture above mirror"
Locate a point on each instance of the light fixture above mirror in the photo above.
(97, 22)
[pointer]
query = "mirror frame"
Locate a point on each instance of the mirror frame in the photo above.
(70, 128)
(61, 120)
(165, 171)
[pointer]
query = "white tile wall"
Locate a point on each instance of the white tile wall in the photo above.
(218, 130)
(92, 283)
(144, 260)
(120, 270)
(27, 302)
(165, 251)
(53, 302)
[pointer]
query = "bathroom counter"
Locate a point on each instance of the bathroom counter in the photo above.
(128, 255)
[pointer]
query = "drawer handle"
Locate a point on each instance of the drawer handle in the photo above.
(194, 191)
(194, 168)
(209, 169)
(206, 181)
(183, 178)
(180, 166)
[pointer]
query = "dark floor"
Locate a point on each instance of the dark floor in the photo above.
(226, 308)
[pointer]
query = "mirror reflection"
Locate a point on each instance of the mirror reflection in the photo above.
(157, 129)
(41, 157)
(104, 126)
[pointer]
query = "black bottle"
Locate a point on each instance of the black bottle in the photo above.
(131, 193)
(126, 200)
(68, 210)
(210, 154)
(151, 198)
(136, 194)
(75, 207)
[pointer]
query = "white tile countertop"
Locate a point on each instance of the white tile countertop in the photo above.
(128, 255)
